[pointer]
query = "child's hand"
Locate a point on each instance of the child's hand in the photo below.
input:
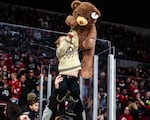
(58, 79)
(70, 35)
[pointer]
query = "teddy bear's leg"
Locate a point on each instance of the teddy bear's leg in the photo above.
(87, 64)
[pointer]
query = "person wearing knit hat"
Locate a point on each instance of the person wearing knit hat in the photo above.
(31, 96)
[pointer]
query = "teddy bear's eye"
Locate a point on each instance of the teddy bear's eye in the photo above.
(94, 15)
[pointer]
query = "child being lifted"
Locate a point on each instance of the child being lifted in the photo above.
(68, 67)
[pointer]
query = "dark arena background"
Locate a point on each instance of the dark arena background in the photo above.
(121, 81)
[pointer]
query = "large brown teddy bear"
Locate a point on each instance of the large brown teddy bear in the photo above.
(83, 20)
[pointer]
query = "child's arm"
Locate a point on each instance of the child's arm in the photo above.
(63, 46)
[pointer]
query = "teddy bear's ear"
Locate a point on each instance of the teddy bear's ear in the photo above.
(75, 3)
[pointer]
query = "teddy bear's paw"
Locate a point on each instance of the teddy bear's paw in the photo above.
(86, 74)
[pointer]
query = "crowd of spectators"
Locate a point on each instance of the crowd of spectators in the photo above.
(24, 50)
(19, 76)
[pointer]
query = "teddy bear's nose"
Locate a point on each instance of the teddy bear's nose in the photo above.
(82, 21)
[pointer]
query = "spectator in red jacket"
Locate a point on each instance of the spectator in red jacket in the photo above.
(133, 88)
(15, 88)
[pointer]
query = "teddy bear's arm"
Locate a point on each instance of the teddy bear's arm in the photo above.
(89, 42)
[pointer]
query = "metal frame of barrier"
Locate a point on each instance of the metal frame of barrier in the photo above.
(111, 90)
